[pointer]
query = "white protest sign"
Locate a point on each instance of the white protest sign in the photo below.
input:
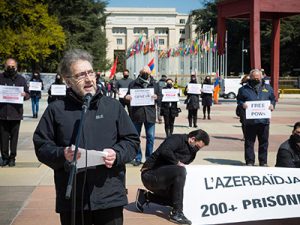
(35, 86)
(230, 194)
(194, 88)
(11, 94)
(58, 89)
(208, 88)
(170, 95)
(141, 97)
(258, 110)
(122, 92)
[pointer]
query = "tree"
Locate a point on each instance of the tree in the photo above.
(27, 32)
(83, 22)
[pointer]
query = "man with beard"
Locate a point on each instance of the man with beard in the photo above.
(289, 151)
(256, 90)
(11, 114)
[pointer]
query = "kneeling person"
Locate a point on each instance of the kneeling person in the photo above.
(164, 172)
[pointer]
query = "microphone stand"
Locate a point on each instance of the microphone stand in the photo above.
(73, 168)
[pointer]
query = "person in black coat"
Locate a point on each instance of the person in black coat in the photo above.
(11, 114)
(36, 95)
(192, 103)
(164, 173)
(289, 152)
(51, 97)
(206, 99)
(169, 111)
(100, 190)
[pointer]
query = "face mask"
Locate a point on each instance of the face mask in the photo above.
(125, 76)
(169, 85)
(295, 138)
(11, 71)
(253, 83)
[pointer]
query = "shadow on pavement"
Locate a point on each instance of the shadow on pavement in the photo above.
(225, 161)
(227, 138)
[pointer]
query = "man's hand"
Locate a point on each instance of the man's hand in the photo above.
(271, 107)
(128, 97)
(69, 154)
(245, 106)
(154, 96)
(23, 94)
(180, 164)
(110, 158)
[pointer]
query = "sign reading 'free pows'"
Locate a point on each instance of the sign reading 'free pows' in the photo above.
(227, 194)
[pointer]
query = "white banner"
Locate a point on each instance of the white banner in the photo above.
(122, 92)
(208, 88)
(141, 97)
(35, 86)
(258, 110)
(170, 95)
(11, 94)
(194, 88)
(230, 194)
(58, 89)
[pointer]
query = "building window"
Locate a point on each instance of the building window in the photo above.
(161, 30)
(161, 41)
(119, 30)
(140, 30)
(119, 41)
(182, 31)
(182, 21)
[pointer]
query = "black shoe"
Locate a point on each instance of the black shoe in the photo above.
(263, 164)
(209, 118)
(249, 164)
(12, 163)
(4, 162)
(195, 126)
(179, 217)
(140, 199)
(136, 163)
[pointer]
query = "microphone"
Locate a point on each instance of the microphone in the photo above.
(87, 101)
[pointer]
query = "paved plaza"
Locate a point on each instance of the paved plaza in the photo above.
(27, 195)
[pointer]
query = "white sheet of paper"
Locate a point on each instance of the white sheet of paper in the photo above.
(141, 97)
(35, 86)
(258, 110)
(170, 95)
(58, 89)
(11, 94)
(122, 92)
(94, 157)
(194, 88)
(208, 88)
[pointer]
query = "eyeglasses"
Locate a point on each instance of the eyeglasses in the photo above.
(82, 75)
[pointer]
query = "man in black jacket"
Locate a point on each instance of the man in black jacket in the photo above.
(101, 192)
(11, 114)
(164, 172)
(124, 83)
(289, 151)
(144, 114)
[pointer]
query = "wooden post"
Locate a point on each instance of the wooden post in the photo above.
(275, 54)
(255, 52)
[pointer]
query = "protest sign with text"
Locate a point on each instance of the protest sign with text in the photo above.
(170, 95)
(229, 194)
(58, 89)
(11, 94)
(122, 92)
(141, 97)
(258, 110)
(194, 88)
(208, 88)
(35, 86)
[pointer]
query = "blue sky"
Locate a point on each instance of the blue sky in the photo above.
(182, 6)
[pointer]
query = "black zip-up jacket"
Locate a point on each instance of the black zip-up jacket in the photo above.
(174, 149)
(9, 111)
(288, 155)
(141, 114)
(107, 125)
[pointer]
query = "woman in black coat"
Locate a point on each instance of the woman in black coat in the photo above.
(192, 103)
(206, 99)
(169, 111)
(51, 97)
(36, 95)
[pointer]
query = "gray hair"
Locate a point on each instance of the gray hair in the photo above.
(255, 71)
(70, 57)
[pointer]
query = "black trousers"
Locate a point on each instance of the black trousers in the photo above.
(166, 184)
(169, 124)
(125, 104)
(261, 131)
(112, 216)
(192, 116)
(9, 135)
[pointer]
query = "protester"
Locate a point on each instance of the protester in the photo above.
(192, 102)
(124, 83)
(164, 173)
(145, 114)
(113, 84)
(256, 90)
(11, 114)
(289, 151)
(161, 84)
(101, 83)
(51, 97)
(206, 99)
(101, 192)
(36, 95)
(169, 111)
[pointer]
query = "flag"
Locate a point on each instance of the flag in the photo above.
(113, 69)
(151, 65)
(216, 89)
